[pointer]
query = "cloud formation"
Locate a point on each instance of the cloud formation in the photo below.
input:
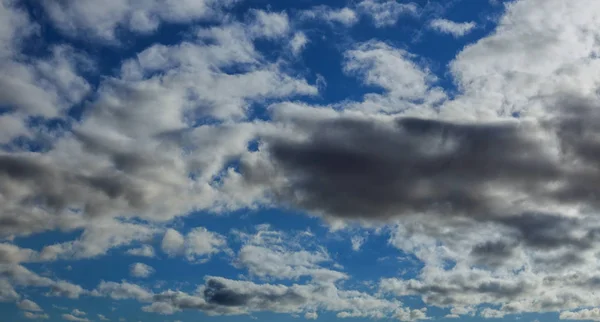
(220, 296)
(486, 172)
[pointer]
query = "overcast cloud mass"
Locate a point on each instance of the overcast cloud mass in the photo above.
(184, 160)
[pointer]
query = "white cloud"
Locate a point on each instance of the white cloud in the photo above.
(269, 24)
(198, 243)
(70, 317)
(140, 270)
(7, 291)
(385, 13)
(13, 275)
(395, 70)
(585, 314)
(278, 255)
(48, 86)
(298, 43)
(456, 29)
(172, 242)
(539, 49)
(78, 312)
(142, 251)
(357, 242)
(102, 318)
(391, 68)
(410, 315)
(98, 239)
(92, 19)
(10, 253)
(457, 311)
(160, 308)
(29, 305)
(122, 291)
(15, 26)
(36, 316)
(311, 315)
(43, 86)
(344, 16)
(491, 313)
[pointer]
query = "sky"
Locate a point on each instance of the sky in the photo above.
(299, 160)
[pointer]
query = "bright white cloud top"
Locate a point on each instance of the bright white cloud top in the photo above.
(372, 159)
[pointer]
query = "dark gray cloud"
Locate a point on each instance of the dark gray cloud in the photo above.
(370, 169)
(218, 293)
(546, 231)
(51, 190)
(493, 253)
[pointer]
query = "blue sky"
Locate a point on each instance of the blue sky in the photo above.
(240, 160)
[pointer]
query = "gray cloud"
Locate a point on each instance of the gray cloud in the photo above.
(508, 172)
(221, 296)
(224, 296)
(368, 169)
(513, 204)
(218, 293)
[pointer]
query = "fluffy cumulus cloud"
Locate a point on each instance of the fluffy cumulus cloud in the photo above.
(199, 243)
(141, 270)
(181, 133)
